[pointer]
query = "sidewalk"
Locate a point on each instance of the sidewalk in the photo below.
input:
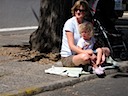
(28, 78)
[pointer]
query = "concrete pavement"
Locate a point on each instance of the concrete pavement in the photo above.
(29, 78)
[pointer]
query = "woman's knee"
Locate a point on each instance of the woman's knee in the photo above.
(81, 59)
(84, 57)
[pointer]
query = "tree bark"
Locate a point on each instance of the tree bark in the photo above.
(53, 14)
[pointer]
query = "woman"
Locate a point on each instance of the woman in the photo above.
(80, 12)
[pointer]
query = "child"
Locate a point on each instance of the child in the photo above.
(86, 42)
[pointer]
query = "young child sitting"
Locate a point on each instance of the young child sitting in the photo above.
(86, 42)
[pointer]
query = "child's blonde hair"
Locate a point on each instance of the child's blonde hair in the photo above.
(88, 27)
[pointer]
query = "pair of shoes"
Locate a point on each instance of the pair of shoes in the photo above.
(97, 71)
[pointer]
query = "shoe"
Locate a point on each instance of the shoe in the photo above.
(97, 71)
(111, 61)
(87, 68)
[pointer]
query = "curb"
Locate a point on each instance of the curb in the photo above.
(33, 90)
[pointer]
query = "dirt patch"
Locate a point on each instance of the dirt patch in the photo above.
(23, 53)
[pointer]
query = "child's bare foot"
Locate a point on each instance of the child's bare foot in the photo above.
(97, 71)
(101, 68)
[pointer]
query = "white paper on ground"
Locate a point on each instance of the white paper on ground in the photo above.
(66, 71)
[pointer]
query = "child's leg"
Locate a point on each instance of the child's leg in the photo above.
(106, 51)
(99, 56)
(95, 68)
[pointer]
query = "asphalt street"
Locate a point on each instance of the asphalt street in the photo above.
(112, 85)
(18, 13)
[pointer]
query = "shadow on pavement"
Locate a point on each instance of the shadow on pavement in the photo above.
(121, 75)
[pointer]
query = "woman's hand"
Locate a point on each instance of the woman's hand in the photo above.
(89, 51)
(93, 58)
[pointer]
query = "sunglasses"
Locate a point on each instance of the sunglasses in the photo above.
(81, 10)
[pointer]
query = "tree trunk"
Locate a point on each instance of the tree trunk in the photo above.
(53, 14)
